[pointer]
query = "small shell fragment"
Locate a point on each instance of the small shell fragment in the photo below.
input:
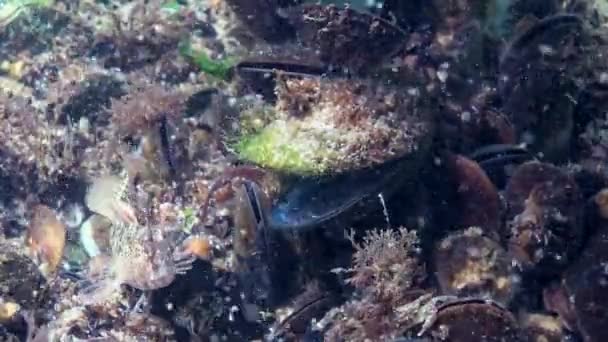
(95, 235)
(542, 327)
(8, 311)
(199, 246)
(104, 198)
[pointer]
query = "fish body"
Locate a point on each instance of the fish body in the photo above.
(137, 257)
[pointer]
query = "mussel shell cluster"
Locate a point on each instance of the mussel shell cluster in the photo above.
(511, 221)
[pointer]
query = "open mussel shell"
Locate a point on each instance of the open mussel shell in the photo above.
(538, 83)
(545, 216)
(474, 320)
(345, 38)
(261, 253)
(322, 127)
(258, 72)
(498, 159)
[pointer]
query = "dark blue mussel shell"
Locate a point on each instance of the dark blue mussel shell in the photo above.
(310, 202)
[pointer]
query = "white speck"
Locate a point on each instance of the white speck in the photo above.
(442, 75)
(413, 91)
(233, 309)
(84, 125)
(73, 215)
(87, 240)
(546, 49)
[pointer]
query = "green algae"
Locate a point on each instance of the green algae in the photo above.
(221, 68)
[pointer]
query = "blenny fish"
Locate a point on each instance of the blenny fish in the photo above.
(138, 257)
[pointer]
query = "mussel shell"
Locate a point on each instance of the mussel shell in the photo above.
(551, 31)
(257, 73)
(311, 304)
(476, 198)
(321, 127)
(545, 213)
(474, 320)
(413, 13)
(344, 37)
(496, 160)
(538, 83)
(261, 253)
(470, 264)
(585, 289)
(591, 303)
(309, 202)
(262, 19)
